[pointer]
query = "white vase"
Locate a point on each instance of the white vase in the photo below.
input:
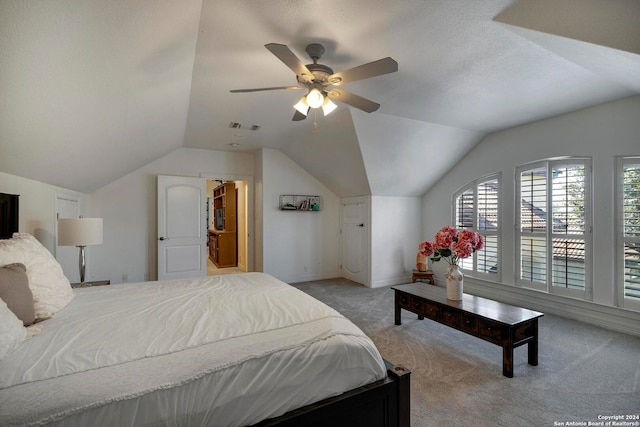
(454, 283)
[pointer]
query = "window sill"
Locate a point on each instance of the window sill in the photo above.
(615, 318)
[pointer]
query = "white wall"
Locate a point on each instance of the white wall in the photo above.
(297, 246)
(37, 212)
(128, 206)
(291, 240)
(395, 235)
(600, 132)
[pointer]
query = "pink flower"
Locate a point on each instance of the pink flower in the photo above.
(444, 237)
(426, 248)
(476, 240)
(468, 236)
(451, 244)
(463, 248)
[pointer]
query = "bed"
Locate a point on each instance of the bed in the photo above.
(230, 350)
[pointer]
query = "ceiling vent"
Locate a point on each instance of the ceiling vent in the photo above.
(236, 125)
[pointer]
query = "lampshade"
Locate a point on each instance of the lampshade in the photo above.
(79, 231)
(328, 106)
(302, 106)
(315, 98)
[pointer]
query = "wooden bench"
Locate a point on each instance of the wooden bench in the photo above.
(505, 325)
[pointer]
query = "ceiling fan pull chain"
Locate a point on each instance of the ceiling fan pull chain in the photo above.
(315, 121)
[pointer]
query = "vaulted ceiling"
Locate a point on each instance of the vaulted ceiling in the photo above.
(91, 90)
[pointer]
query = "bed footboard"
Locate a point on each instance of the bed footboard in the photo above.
(384, 403)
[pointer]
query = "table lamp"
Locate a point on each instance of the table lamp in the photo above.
(80, 232)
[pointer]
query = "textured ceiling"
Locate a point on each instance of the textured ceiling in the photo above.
(91, 90)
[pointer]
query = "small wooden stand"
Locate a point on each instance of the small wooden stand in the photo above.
(422, 276)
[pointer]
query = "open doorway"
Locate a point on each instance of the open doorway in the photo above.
(227, 220)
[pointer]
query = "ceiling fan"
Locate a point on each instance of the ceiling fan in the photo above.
(320, 81)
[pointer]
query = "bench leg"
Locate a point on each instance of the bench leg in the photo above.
(507, 359)
(532, 347)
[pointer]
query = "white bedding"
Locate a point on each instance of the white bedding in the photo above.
(223, 351)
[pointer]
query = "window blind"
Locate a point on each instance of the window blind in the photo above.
(465, 209)
(568, 228)
(487, 225)
(477, 207)
(533, 225)
(554, 243)
(631, 230)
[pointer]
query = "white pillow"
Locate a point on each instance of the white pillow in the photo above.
(50, 287)
(12, 331)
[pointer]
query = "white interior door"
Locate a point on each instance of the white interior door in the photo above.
(182, 227)
(354, 241)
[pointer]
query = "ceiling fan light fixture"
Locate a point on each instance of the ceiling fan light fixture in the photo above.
(328, 106)
(318, 78)
(315, 98)
(302, 106)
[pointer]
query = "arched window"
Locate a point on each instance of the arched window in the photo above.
(477, 206)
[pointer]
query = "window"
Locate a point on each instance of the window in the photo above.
(476, 206)
(628, 236)
(553, 236)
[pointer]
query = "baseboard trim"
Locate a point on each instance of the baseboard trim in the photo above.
(614, 318)
(391, 281)
(311, 278)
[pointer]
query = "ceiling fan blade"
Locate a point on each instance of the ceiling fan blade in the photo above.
(372, 69)
(354, 100)
(290, 59)
(265, 88)
(297, 116)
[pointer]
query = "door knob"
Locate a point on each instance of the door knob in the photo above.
(162, 238)
(360, 225)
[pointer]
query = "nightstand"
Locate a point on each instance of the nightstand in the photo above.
(90, 284)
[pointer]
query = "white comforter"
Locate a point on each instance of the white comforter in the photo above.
(221, 351)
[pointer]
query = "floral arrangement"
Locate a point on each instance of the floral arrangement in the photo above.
(452, 244)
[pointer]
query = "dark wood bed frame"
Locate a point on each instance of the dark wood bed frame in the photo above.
(8, 215)
(384, 403)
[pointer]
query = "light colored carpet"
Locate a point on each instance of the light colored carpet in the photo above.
(584, 371)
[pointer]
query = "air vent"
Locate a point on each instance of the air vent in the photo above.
(236, 125)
